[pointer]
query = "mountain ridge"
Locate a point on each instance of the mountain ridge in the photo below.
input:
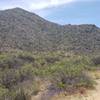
(23, 30)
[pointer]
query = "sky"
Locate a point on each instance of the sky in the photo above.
(60, 11)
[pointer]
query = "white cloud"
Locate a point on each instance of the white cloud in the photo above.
(38, 5)
(33, 4)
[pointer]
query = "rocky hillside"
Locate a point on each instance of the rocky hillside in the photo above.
(23, 30)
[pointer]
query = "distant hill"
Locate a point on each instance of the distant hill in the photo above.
(23, 30)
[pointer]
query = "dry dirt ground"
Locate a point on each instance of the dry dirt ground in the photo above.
(89, 95)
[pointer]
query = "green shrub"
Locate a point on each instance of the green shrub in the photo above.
(26, 72)
(96, 61)
(9, 78)
(69, 75)
(21, 95)
(3, 93)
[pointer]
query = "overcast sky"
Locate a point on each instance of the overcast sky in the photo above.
(60, 11)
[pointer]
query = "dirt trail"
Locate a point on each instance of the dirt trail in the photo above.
(44, 94)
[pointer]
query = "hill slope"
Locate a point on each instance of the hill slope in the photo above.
(22, 30)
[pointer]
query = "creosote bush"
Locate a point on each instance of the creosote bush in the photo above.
(96, 60)
(69, 76)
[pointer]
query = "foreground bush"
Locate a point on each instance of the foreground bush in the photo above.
(70, 84)
(3, 93)
(69, 76)
(19, 71)
(96, 60)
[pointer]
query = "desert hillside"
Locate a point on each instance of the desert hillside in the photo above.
(23, 30)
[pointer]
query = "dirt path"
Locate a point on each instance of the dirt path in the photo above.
(44, 94)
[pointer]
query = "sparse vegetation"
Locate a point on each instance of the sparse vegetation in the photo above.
(65, 73)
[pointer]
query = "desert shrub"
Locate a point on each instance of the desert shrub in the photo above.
(12, 63)
(4, 57)
(3, 93)
(25, 90)
(9, 78)
(69, 83)
(15, 60)
(26, 72)
(70, 75)
(51, 60)
(27, 58)
(96, 60)
(21, 95)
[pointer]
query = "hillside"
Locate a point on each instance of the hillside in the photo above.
(23, 30)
